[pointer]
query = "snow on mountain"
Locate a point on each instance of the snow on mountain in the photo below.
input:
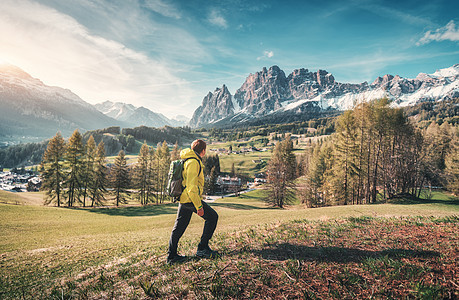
(448, 72)
(270, 92)
(136, 116)
(28, 107)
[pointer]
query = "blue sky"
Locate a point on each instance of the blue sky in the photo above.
(167, 55)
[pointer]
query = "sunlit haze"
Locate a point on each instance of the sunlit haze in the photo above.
(167, 55)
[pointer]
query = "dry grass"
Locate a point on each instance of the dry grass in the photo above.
(49, 252)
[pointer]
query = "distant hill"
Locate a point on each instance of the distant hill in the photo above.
(138, 116)
(114, 138)
(31, 110)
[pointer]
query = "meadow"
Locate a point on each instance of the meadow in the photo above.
(407, 249)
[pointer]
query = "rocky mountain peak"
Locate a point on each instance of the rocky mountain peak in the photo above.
(269, 92)
(262, 91)
(383, 80)
(215, 106)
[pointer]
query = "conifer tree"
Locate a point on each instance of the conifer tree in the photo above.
(281, 174)
(175, 154)
(452, 165)
(98, 188)
(152, 175)
(141, 173)
(120, 178)
(210, 183)
(74, 156)
(209, 161)
(52, 170)
(346, 150)
(165, 164)
(87, 172)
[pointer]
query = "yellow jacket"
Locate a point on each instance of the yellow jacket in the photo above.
(193, 180)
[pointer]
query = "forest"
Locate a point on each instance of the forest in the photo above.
(76, 173)
(369, 154)
(114, 138)
(377, 153)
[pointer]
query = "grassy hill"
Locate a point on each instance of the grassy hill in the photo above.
(380, 251)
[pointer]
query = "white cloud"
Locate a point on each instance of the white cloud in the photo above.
(57, 49)
(449, 32)
(266, 55)
(215, 17)
(163, 8)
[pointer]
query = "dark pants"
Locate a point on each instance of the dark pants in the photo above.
(184, 213)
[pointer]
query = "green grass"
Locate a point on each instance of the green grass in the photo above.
(40, 247)
(244, 163)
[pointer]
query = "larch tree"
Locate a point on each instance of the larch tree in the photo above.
(52, 170)
(120, 178)
(281, 175)
(452, 164)
(98, 188)
(141, 173)
(346, 152)
(74, 157)
(163, 159)
(175, 153)
(151, 192)
(87, 172)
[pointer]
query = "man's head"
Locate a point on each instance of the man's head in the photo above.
(199, 146)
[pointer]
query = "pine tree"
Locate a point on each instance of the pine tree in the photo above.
(100, 181)
(210, 183)
(120, 178)
(74, 156)
(233, 170)
(52, 170)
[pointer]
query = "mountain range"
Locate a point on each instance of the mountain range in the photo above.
(29, 108)
(136, 116)
(32, 111)
(271, 96)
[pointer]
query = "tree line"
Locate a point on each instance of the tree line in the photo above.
(77, 173)
(114, 138)
(375, 154)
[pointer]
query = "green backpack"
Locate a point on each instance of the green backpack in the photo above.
(174, 184)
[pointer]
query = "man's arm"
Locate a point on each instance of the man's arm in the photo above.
(192, 187)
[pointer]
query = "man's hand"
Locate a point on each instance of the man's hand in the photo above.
(200, 212)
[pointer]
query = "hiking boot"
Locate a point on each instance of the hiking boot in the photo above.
(207, 253)
(176, 259)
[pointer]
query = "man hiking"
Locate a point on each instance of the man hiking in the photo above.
(191, 202)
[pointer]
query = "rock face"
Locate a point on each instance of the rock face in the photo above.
(215, 106)
(263, 91)
(270, 92)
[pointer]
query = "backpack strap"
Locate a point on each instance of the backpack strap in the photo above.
(200, 168)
